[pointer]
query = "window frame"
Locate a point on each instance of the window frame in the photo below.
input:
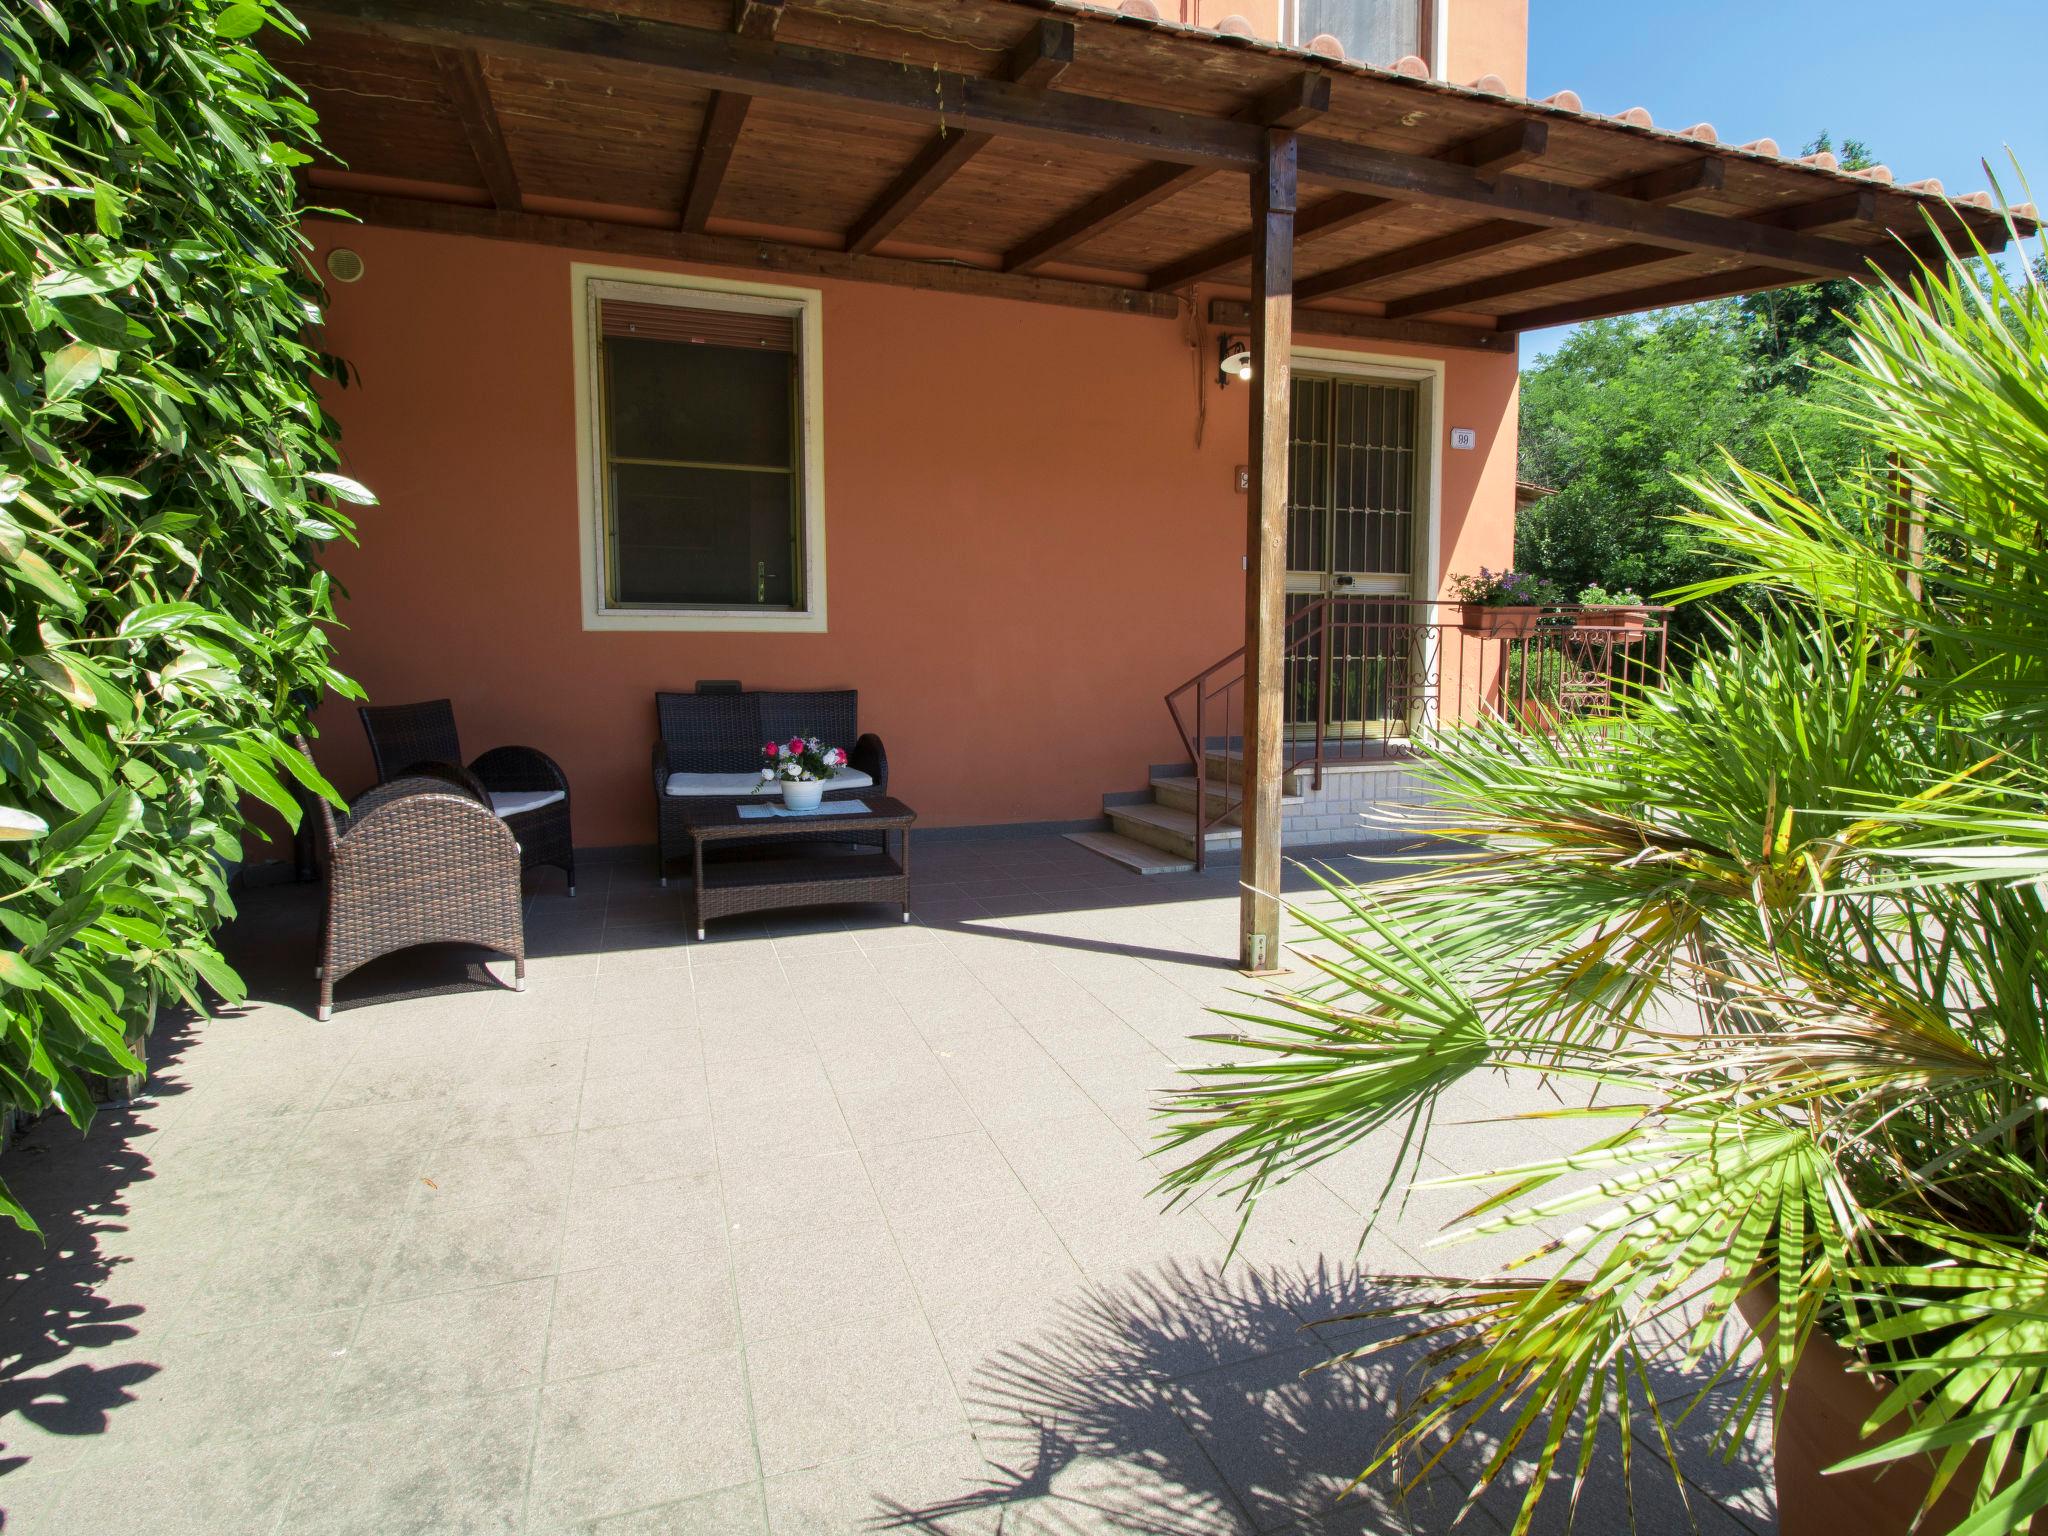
(1432, 14)
(590, 283)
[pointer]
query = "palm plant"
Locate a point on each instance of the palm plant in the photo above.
(1778, 939)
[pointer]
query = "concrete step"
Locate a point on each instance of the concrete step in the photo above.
(1167, 827)
(1228, 768)
(1180, 794)
(1145, 858)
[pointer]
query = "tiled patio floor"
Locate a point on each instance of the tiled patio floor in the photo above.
(827, 1225)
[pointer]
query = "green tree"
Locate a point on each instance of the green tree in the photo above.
(1626, 407)
(165, 484)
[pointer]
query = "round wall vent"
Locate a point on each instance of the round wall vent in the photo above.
(344, 265)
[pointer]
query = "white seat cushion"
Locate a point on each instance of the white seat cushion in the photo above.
(685, 786)
(515, 802)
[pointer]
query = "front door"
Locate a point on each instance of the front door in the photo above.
(1354, 536)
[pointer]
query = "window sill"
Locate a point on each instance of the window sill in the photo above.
(743, 621)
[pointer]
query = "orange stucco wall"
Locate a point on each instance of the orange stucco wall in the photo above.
(1025, 546)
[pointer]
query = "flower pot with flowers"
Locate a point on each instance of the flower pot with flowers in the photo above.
(1502, 604)
(802, 765)
(1621, 610)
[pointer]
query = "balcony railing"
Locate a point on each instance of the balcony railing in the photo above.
(1365, 678)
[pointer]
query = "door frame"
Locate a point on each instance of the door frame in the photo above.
(1429, 373)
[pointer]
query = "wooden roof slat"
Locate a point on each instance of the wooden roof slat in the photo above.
(1673, 184)
(1331, 216)
(725, 118)
(1551, 274)
(1409, 260)
(1036, 62)
(1690, 290)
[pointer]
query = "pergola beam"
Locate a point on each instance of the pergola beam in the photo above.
(469, 92)
(725, 115)
(1300, 101)
(1502, 149)
(1035, 63)
(1235, 315)
(731, 251)
(883, 87)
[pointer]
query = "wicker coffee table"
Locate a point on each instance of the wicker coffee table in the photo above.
(836, 866)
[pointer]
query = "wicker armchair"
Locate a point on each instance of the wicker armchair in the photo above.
(522, 784)
(714, 737)
(417, 861)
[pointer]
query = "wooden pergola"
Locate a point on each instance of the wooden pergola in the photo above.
(1061, 153)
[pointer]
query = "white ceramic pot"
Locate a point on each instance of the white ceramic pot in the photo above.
(802, 795)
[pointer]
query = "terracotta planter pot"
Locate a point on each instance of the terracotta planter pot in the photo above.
(1632, 620)
(1498, 623)
(1819, 1423)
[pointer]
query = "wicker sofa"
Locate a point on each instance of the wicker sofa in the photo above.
(709, 750)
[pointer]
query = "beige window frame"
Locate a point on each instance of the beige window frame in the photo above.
(590, 284)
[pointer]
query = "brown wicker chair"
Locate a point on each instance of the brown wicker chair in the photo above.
(416, 861)
(414, 738)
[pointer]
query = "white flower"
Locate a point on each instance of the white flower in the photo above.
(767, 773)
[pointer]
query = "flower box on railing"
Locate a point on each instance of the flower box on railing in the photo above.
(1496, 621)
(1629, 620)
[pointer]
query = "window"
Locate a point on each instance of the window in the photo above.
(702, 500)
(1381, 32)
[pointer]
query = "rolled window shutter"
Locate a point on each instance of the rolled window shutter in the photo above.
(704, 327)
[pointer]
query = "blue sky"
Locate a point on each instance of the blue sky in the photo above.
(1932, 88)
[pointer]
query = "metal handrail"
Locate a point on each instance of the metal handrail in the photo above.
(1412, 655)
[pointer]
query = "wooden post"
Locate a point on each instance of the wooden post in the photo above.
(1265, 582)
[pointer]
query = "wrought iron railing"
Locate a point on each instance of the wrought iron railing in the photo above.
(1363, 678)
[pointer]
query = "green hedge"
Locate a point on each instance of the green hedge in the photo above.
(164, 490)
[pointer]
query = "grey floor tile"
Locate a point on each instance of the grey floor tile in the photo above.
(641, 1151)
(939, 1486)
(664, 1220)
(625, 1315)
(635, 1439)
(458, 1344)
(843, 1389)
(235, 1486)
(453, 1470)
(466, 1247)
(917, 1179)
(781, 1195)
(784, 1282)
(733, 1511)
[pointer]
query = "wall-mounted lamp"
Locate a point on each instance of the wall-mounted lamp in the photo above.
(1235, 361)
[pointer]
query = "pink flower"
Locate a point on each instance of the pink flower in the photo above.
(771, 749)
(796, 746)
